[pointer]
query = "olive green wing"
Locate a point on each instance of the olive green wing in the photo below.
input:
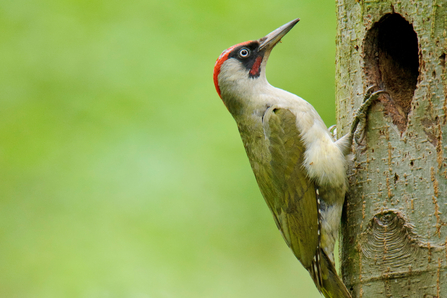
(293, 200)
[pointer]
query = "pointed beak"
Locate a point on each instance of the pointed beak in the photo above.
(271, 39)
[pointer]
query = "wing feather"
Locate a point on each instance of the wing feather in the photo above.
(293, 202)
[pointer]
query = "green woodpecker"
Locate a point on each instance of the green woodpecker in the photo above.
(299, 167)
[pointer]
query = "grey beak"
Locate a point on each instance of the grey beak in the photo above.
(271, 39)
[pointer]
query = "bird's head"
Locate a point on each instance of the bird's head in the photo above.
(240, 68)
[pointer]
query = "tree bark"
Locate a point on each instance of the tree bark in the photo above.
(394, 232)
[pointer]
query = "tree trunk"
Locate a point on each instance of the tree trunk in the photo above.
(394, 234)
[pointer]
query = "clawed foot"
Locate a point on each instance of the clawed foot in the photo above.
(360, 117)
(333, 131)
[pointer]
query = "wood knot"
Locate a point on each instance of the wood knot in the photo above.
(389, 241)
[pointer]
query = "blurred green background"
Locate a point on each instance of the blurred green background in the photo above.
(122, 173)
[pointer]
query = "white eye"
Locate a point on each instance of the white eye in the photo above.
(244, 52)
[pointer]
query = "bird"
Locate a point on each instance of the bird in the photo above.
(298, 165)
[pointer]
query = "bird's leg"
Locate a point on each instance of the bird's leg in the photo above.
(345, 142)
(360, 117)
(333, 131)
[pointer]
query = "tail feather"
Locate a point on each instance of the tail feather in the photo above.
(326, 278)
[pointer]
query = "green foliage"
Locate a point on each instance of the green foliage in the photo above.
(122, 173)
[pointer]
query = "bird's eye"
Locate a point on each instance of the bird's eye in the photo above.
(244, 53)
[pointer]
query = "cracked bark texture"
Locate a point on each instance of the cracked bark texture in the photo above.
(394, 234)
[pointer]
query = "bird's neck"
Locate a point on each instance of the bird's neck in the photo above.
(252, 96)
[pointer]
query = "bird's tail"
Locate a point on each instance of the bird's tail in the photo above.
(327, 280)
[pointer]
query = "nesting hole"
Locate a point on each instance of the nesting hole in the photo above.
(392, 64)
